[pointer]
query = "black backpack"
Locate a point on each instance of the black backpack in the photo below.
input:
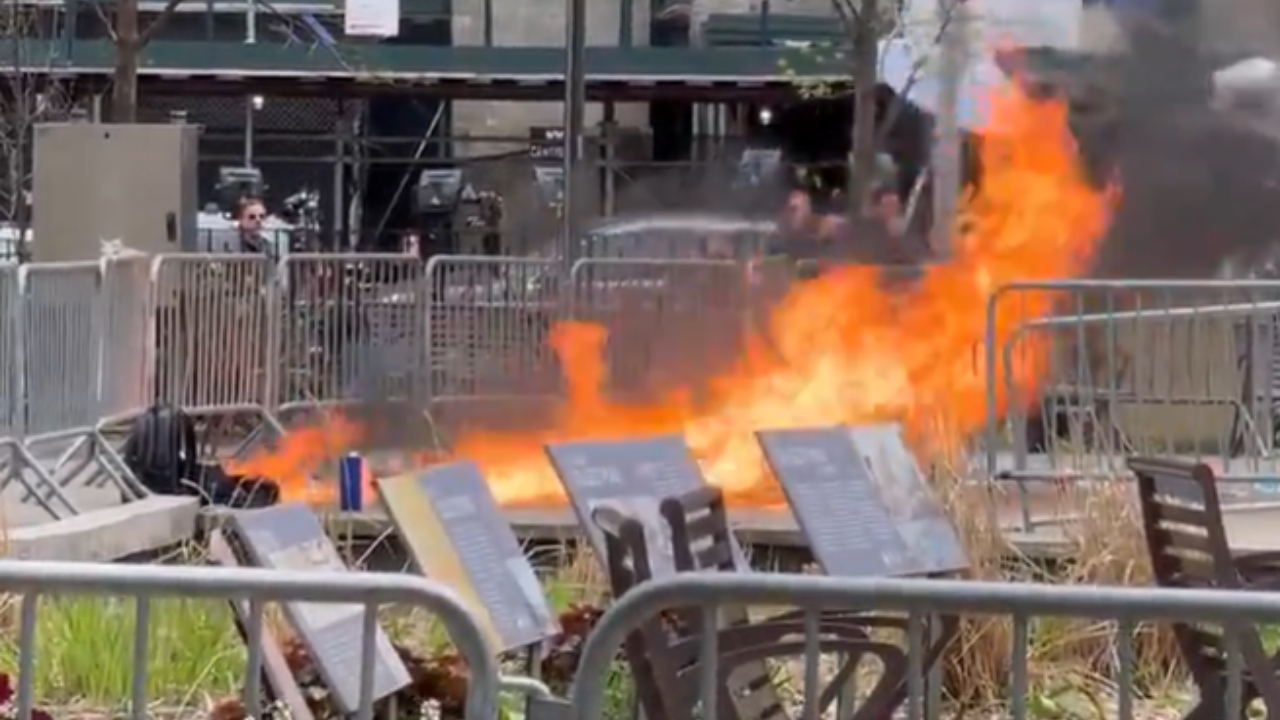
(162, 452)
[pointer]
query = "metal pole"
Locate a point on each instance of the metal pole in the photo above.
(251, 22)
(608, 133)
(248, 130)
(250, 38)
(339, 224)
(948, 135)
(575, 100)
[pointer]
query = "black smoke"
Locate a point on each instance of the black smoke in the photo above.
(1199, 182)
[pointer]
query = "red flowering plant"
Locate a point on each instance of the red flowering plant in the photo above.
(9, 701)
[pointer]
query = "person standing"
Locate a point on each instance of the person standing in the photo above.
(251, 216)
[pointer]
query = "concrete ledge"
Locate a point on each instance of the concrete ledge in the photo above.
(107, 534)
(773, 528)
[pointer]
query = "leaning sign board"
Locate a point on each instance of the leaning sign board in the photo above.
(632, 477)
(453, 528)
(861, 499)
(290, 537)
(282, 685)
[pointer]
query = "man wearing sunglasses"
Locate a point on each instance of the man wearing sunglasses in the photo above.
(249, 223)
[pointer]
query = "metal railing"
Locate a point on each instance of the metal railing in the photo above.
(249, 590)
(350, 327)
(487, 326)
(1154, 366)
(1165, 367)
(212, 323)
(1121, 610)
(57, 342)
(85, 346)
(650, 307)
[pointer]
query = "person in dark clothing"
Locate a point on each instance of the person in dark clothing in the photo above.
(873, 236)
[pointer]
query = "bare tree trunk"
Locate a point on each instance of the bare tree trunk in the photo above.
(866, 54)
(124, 86)
(130, 41)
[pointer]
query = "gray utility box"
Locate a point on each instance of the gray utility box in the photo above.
(134, 183)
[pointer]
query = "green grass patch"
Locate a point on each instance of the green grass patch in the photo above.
(85, 645)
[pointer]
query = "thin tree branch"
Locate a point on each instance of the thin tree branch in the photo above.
(158, 24)
(848, 14)
(918, 66)
(106, 20)
(895, 109)
(291, 26)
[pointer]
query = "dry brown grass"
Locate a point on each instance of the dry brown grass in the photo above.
(1104, 546)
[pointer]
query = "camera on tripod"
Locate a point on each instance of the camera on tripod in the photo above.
(301, 210)
(302, 207)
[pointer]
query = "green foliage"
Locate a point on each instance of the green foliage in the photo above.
(820, 54)
(85, 650)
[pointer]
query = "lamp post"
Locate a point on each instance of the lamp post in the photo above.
(575, 100)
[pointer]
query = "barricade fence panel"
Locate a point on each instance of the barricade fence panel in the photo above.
(669, 323)
(1163, 367)
(488, 326)
(138, 590)
(212, 334)
(10, 361)
(59, 335)
(682, 617)
(1186, 367)
(352, 328)
(226, 333)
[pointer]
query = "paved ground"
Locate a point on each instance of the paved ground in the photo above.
(104, 529)
(1248, 471)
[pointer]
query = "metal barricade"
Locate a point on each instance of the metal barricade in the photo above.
(146, 583)
(351, 328)
(19, 464)
(212, 331)
(1165, 367)
(11, 405)
(670, 323)
(64, 321)
(1120, 610)
(487, 326)
(59, 339)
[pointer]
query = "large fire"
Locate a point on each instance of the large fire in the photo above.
(841, 349)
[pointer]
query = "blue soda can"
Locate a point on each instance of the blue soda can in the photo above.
(351, 483)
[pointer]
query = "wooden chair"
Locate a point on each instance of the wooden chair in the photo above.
(664, 652)
(1187, 542)
(702, 541)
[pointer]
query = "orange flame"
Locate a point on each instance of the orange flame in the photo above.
(842, 350)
